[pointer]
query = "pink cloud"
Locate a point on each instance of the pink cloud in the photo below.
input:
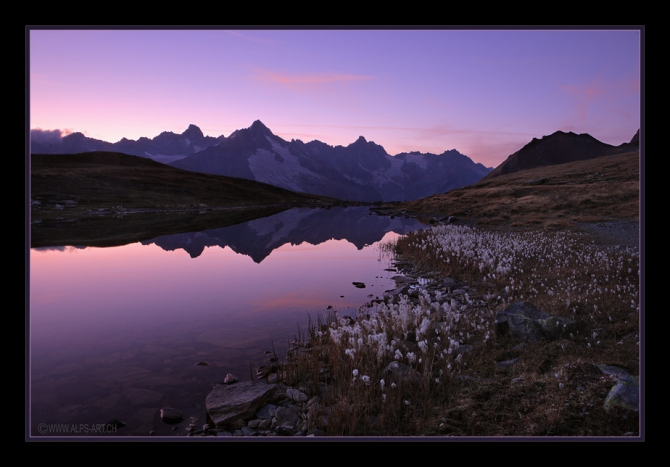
(599, 91)
(299, 81)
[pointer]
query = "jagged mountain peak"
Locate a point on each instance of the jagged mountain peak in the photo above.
(259, 127)
(193, 132)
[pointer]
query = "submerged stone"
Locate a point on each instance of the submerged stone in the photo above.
(171, 416)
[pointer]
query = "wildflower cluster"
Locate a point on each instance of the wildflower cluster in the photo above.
(425, 336)
(394, 361)
(556, 271)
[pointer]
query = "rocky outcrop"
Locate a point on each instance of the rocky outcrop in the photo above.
(524, 322)
(259, 408)
(227, 403)
(626, 391)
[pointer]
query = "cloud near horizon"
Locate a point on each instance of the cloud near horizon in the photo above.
(48, 136)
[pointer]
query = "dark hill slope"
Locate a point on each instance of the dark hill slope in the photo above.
(108, 199)
(106, 179)
(559, 148)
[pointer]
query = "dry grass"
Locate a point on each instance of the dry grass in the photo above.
(446, 340)
(527, 246)
(105, 199)
(549, 198)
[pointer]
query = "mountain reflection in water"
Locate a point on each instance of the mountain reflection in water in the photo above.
(258, 238)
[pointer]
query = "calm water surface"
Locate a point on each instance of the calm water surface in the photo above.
(115, 333)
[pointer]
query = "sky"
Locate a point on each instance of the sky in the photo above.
(485, 93)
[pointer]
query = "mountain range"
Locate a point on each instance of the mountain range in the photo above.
(166, 147)
(361, 171)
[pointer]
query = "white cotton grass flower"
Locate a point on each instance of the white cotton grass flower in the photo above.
(411, 358)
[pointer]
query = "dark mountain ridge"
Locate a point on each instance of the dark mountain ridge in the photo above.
(560, 148)
(166, 147)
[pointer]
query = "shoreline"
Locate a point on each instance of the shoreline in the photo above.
(472, 295)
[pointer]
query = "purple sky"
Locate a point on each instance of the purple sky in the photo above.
(485, 93)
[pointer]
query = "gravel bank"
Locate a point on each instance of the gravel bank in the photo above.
(611, 234)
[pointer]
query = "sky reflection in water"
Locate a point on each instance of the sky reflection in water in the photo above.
(107, 324)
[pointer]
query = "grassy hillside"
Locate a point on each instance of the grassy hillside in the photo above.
(100, 179)
(553, 197)
(106, 198)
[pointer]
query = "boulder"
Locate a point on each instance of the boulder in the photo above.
(229, 402)
(230, 379)
(625, 394)
(397, 371)
(296, 395)
(403, 279)
(524, 322)
(171, 416)
(286, 420)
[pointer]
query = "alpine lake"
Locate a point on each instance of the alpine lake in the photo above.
(118, 333)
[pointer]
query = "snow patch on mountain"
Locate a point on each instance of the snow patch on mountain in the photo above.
(278, 167)
(396, 168)
(418, 159)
